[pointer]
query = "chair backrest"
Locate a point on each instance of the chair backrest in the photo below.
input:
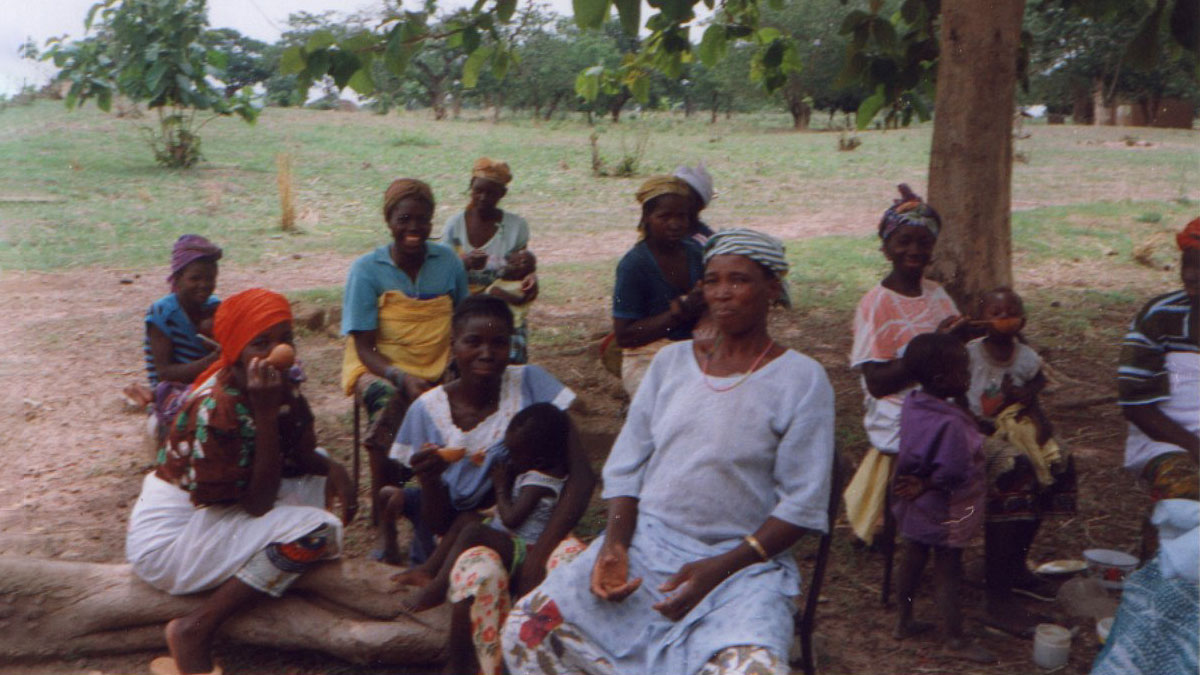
(806, 617)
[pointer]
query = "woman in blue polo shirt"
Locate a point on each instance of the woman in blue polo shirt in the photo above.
(396, 313)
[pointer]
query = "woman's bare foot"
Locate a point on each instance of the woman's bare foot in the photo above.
(907, 629)
(961, 648)
(425, 598)
(413, 576)
(189, 646)
(138, 395)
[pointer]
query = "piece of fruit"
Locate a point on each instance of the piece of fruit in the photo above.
(477, 458)
(451, 455)
(282, 357)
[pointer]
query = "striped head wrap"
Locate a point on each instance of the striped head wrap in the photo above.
(757, 246)
(188, 249)
(403, 188)
(493, 170)
(909, 210)
(1189, 238)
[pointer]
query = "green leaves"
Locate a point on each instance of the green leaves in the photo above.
(713, 45)
(474, 64)
(630, 12)
(590, 13)
(870, 107)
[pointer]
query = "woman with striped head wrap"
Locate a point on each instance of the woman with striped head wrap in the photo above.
(903, 305)
(722, 465)
(655, 298)
(396, 312)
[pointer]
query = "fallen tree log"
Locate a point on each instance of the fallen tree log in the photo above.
(349, 609)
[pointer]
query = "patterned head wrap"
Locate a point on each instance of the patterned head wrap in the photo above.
(403, 188)
(188, 249)
(1189, 238)
(757, 246)
(490, 169)
(239, 319)
(699, 179)
(909, 210)
(657, 186)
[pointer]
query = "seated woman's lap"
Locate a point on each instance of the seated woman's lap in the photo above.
(480, 573)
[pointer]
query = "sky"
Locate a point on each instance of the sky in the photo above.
(260, 19)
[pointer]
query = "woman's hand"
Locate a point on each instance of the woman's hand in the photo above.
(415, 386)
(692, 583)
(529, 286)
(265, 386)
(909, 487)
(610, 574)
(427, 464)
(343, 488)
(475, 259)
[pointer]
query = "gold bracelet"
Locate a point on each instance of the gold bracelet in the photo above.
(757, 546)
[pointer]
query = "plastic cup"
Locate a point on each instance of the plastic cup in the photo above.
(1051, 646)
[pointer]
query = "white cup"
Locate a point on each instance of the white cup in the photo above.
(1051, 645)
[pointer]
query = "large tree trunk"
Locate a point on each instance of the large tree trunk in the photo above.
(53, 608)
(970, 166)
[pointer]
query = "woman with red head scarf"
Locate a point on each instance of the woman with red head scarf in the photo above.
(236, 502)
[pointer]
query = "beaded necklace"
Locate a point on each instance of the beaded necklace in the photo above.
(740, 380)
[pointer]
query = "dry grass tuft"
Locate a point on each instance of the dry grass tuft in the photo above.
(1143, 251)
(287, 194)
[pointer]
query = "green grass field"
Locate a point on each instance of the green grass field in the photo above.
(80, 188)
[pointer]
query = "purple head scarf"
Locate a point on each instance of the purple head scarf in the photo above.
(909, 210)
(188, 249)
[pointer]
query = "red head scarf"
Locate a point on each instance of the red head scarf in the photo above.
(1189, 238)
(239, 319)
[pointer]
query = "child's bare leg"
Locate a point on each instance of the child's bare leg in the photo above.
(462, 657)
(420, 575)
(189, 638)
(912, 562)
(947, 570)
(1006, 545)
(390, 507)
(473, 534)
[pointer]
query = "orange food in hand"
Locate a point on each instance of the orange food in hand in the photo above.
(478, 458)
(451, 455)
(282, 357)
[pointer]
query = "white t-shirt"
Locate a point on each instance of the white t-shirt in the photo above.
(987, 376)
(1184, 370)
(531, 528)
(884, 323)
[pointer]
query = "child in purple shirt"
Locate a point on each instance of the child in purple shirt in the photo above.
(939, 485)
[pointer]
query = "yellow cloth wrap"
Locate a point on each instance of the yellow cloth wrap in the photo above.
(657, 186)
(1022, 434)
(635, 361)
(866, 494)
(413, 335)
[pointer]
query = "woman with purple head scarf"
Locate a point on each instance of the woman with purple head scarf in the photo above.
(174, 346)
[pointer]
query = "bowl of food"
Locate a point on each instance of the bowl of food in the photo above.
(1109, 566)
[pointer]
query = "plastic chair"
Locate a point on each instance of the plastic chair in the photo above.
(805, 618)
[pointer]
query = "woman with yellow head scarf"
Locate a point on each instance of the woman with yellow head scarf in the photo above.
(656, 299)
(483, 234)
(396, 315)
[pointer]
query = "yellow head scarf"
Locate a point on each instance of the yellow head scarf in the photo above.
(403, 188)
(493, 170)
(657, 186)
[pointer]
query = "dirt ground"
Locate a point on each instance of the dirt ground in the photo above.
(74, 456)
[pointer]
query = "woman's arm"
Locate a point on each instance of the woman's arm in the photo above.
(1154, 423)
(161, 350)
(885, 378)
(377, 364)
(437, 511)
(695, 580)
(610, 575)
(265, 387)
